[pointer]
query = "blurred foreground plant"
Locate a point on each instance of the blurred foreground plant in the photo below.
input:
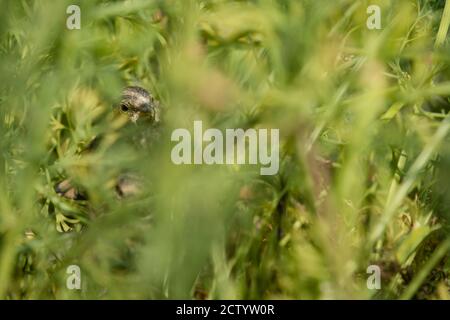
(363, 123)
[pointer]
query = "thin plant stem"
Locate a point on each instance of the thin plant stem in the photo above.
(443, 27)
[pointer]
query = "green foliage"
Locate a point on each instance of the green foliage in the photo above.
(364, 170)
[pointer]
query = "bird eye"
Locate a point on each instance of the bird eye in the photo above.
(124, 108)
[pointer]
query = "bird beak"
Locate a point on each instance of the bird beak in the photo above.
(152, 111)
(134, 117)
(155, 114)
(146, 108)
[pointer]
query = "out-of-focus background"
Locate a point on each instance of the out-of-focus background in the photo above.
(365, 160)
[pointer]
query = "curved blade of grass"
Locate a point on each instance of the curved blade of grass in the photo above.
(410, 179)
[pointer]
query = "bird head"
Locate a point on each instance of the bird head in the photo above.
(137, 103)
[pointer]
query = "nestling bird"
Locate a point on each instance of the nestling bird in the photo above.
(138, 105)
